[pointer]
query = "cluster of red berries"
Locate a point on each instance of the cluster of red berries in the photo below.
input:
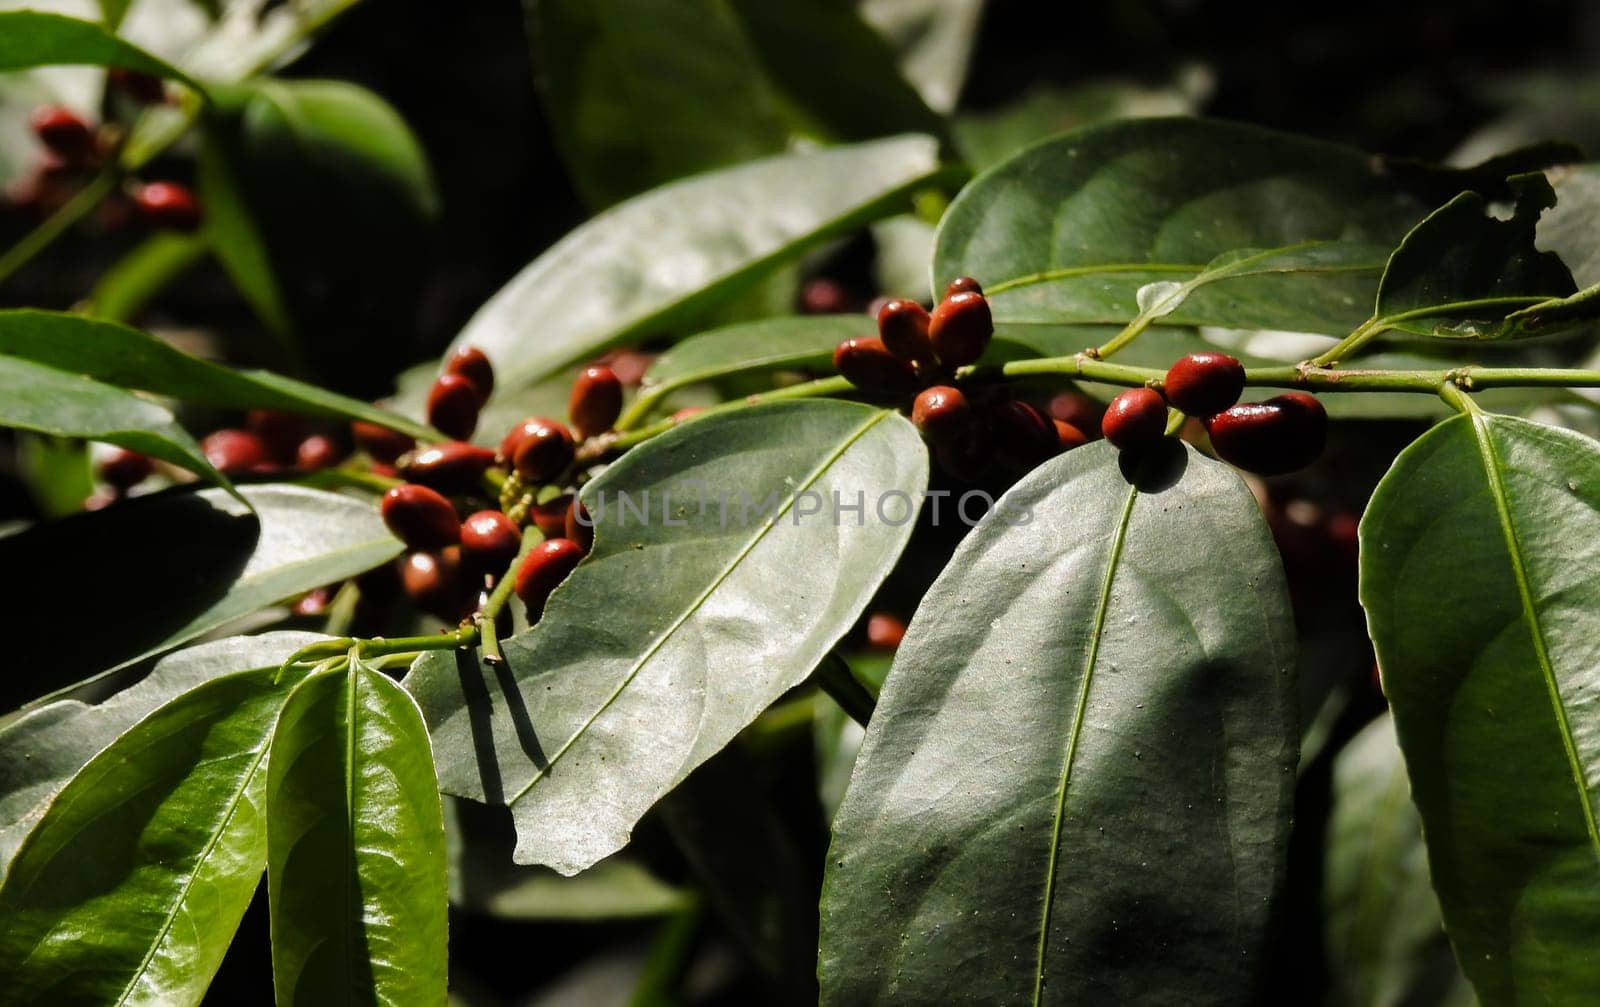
(1279, 435)
(74, 149)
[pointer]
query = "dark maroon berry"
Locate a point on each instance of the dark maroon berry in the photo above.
(145, 88)
(1023, 436)
(1280, 435)
(1069, 436)
(969, 455)
(489, 541)
(280, 432)
(1135, 419)
(471, 363)
(823, 296)
(885, 631)
(455, 467)
(960, 329)
(962, 285)
(579, 526)
(868, 364)
(550, 517)
(317, 452)
(1204, 384)
(381, 443)
(64, 133)
(941, 413)
(543, 570)
(596, 400)
(420, 517)
(544, 451)
(234, 451)
(123, 469)
(1079, 410)
(168, 206)
(903, 327)
(434, 583)
(453, 405)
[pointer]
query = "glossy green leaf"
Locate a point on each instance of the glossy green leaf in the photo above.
(1069, 230)
(934, 40)
(606, 283)
(44, 749)
(1385, 940)
(1463, 270)
(1076, 787)
(130, 887)
(49, 401)
(36, 38)
(640, 94)
(1475, 557)
(231, 234)
(159, 571)
(125, 357)
(684, 622)
(355, 846)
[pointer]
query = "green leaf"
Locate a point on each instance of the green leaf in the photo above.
(130, 887)
(1069, 230)
(642, 94)
(1474, 557)
(355, 846)
(711, 612)
(1462, 271)
(231, 234)
(57, 473)
(1077, 784)
(934, 39)
(605, 283)
(125, 288)
(159, 571)
(35, 38)
(50, 401)
(128, 358)
(1385, 940)
(44, 749)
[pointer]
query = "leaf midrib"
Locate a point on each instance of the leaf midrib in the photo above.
(694, 607)
(1119, 537)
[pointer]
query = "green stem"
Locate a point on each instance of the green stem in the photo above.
(1374, 327)
(1458, 399)
(58, 223)
(835, 678)
(598, 447)
(349, 478)
(531, 536)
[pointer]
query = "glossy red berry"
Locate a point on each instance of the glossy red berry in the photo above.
(489, 541)
(420, 517)
(1069, 436)
(168, 206)
(579, 525)
(822, 296)
(234, 451)
(1023, 436)
(1204, 384)
(961, 328)
(280, 432)
(454, 467)
(885, 631)
(903, 327)
(962, 285)
(1282, 434)
(123, 469)
(550, 517)
(145, 88)
(868, 364)
(64, 133)
(543, 570)
(435, 583)
(596, 400)
(472, 364)
(313, 603)
(544, 451)
(941, 413)
(1135, 419)
(317, 452)
(381, 443)
(453, 405)
(1079, 410)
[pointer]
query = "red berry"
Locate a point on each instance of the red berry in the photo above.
(1280, 435)
(454, 467)
(1079, 410)
(146, 88)
(280, 432)
(1069, 436)
(544, 451)
(1204, 384)
(579, 526)
(542, 570)
(885, 631)
(903, 327)
(1023, 437)
(313, 603)
(1135, 419)
(489, 541)
(550, 517)
(823, 296)
(960, 329)
(234, 451)
(168, 206)
(941, 413)
(64, 133)
(868, 364)
(968, 456)
(381, 443)
(962, 285)
(317, 452)
(629, 365)
(434, 583)
(471, 363)
(453, 405)
(596, 400)
(123, 469)
(420, 517)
